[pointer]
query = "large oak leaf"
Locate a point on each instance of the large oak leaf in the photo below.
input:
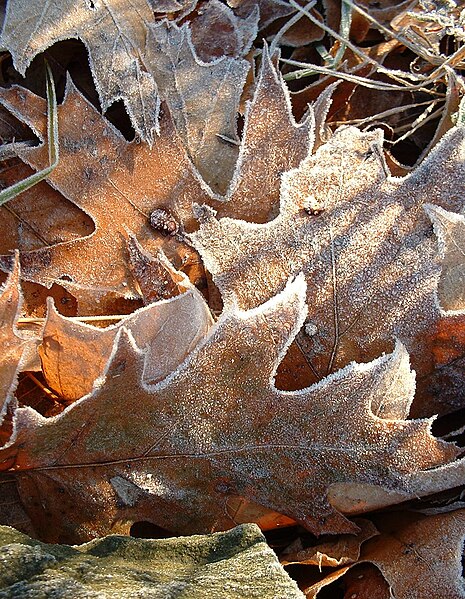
(361, 237)
(114, 33)
(178, 452)
(119, 184)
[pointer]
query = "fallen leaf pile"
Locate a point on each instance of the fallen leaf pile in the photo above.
(256, 289)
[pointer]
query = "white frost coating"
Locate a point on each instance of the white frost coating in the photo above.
(321, 108)
(295, 287)
(447, 141)
(151, 483)
(308, 122)
(352, 498)
(438, 215)
(207, 216)
(295, 290)
(136, 485)
(25, 418)
(127, 491)
(427, 482)
(435, 213)
(400, 353)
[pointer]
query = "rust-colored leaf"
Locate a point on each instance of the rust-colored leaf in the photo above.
(217, 31)
(272, 144)
(118, 184)
(334, 552)
(74, 354)
(173, 453)
(418, 556)
(18, 349)
(363, 241)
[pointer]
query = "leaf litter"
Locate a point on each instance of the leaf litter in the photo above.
(327, 274)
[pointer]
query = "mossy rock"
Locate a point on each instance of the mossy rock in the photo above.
(234, 564)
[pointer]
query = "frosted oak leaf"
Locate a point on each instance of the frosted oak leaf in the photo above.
(203, 98)
(176, 453)
(114, 33)
(361, 237)
(120, 184)
(18, 349)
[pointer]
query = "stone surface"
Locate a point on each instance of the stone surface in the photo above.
(234, 564)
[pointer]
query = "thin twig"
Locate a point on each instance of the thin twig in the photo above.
(311, 69)
(109, 318)
(397, 75)
(42, 387)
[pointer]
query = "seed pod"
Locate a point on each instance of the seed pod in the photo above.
(161, 220)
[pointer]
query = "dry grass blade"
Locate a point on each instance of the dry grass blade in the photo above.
(53, 151)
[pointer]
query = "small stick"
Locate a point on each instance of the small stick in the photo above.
(109, 318)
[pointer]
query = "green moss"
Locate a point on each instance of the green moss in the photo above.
(234, 564)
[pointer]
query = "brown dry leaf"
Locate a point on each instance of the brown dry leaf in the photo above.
(269, 10)
(345, 549)
(418, 556)
(203, 99)
(450, 230)
(28, 224)
(74, 354)
(174, 453)
(296, 32)
(155, 277)
(114, 32)
(119, 184)
(18, 349)
(444, 385)
(365, 582)
(216, 31)
(363, 241)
